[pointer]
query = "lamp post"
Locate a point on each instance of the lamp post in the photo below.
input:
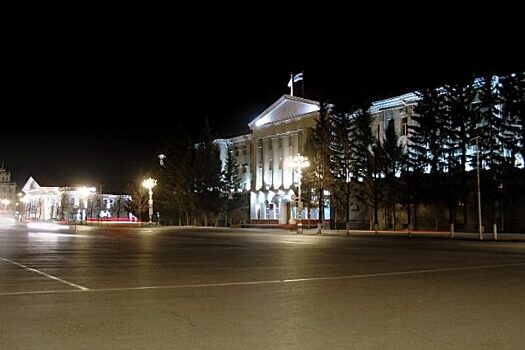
(25, 206)
(149, 183)
(299, 162)
(83, 193)
(5, 202)
(480, 221)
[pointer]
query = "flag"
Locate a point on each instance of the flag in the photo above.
(297, 77)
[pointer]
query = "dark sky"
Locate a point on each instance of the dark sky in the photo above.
(98, 110)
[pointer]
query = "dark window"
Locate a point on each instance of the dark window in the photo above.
(404, 126)
(387, 116)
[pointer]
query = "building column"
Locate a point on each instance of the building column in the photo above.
(276, 173)
(267, 176)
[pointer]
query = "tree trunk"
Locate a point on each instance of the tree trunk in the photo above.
(347, 207)
(321, 211)
(415, 216)
(393, 215)
(376, 208)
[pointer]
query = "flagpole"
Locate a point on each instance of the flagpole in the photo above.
(291, 84)
(302, 86)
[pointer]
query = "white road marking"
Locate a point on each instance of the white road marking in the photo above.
(55, 234)
(299, 242)
(247, 283)
(47, 275)
(413, 272)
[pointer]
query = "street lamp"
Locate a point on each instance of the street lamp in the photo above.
(149, 183)
(479, 188)
(299, 162)
(83, 193)
(5, 202)
(25, 207)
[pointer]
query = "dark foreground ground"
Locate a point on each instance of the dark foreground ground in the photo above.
(184, 288)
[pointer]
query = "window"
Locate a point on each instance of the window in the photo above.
(244, 150)
(404, 126)
(271, 164)
(387, 116)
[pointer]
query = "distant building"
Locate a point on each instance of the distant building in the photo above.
(280, 133)
(400, 110)
(8, 200)
(72, 203)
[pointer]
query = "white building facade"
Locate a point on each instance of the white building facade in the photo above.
(280, 133)
(71, 204)
(263, 157)
(8, 199)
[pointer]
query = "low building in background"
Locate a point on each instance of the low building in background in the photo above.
(8, 199)
(79, 203)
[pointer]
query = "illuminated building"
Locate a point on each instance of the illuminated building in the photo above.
(79, 203)
(278, 134)
(8, 198)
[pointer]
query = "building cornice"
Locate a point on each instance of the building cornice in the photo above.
(410, 98)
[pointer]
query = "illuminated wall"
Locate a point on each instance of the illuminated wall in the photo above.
(70, 203)
(8, 199)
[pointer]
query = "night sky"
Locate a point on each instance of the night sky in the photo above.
(98, 112)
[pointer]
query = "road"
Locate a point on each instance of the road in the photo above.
(195, 288)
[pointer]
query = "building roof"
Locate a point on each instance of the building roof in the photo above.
(284, 108)
(394, 102)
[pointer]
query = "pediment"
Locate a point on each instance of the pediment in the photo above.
(284, 108)
(30, 185)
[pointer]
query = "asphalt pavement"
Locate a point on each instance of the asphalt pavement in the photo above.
(219, 288)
